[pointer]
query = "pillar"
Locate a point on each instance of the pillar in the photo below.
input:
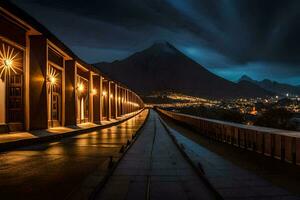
(96, 98)
(115, 99)
(101, 98)
(109, 100)
(37, 83)
(70, 87)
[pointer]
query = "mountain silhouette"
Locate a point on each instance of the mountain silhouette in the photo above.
(162, 67)
(273, 86)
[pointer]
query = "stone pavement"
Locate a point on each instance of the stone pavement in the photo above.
(154, 168)
(68, 169)
(231, 181)
(15, 139)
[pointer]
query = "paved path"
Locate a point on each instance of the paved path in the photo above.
(154, 168)
(18, 136)
(230, 180)
(59, 170)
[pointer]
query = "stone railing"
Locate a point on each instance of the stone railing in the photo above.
(279, 144)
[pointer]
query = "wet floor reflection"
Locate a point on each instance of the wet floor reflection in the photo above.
(53, 170)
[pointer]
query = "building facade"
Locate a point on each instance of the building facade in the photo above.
(43, 84)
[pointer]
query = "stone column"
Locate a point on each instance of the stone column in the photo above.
(70, 87)
(37, 83)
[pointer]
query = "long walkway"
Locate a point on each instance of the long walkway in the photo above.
(64, 169)
(236, 173)
(154, 168)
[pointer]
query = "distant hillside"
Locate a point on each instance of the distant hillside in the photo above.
(162, 67)
(273, 86)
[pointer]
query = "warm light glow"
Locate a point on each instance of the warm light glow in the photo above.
(111, 96)
(80, 87)
(52, 80)
(104, 93)
(52, 77)
(9, 61)
(94, 91)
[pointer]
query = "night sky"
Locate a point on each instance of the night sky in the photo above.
(260, 38)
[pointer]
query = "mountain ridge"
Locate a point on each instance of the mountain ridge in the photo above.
(162, 67)
(273, 86)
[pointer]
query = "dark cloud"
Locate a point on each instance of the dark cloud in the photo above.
(228, 37)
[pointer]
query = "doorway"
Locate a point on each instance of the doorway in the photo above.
(82, 100)
(54, 96)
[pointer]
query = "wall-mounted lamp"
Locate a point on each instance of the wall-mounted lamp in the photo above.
(52, 80)
(52, 77)
(9, 61)
(104, 93)
(80, 87)
(94, 91)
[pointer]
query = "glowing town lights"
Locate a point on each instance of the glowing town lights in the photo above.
(104, 93)
(287, 94)
(80, 87)
(9, 61)
(94, 91)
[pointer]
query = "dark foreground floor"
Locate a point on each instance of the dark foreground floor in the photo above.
(56, 170)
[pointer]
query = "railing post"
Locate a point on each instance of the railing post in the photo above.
(282, 148)
(294, 150)
(273, 143)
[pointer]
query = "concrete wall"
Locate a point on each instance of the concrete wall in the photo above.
(279, 144)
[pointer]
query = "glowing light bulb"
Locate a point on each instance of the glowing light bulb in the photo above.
(80, 87)
(104, 93)
(8, 63)
(94, 91)
(52, 80)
